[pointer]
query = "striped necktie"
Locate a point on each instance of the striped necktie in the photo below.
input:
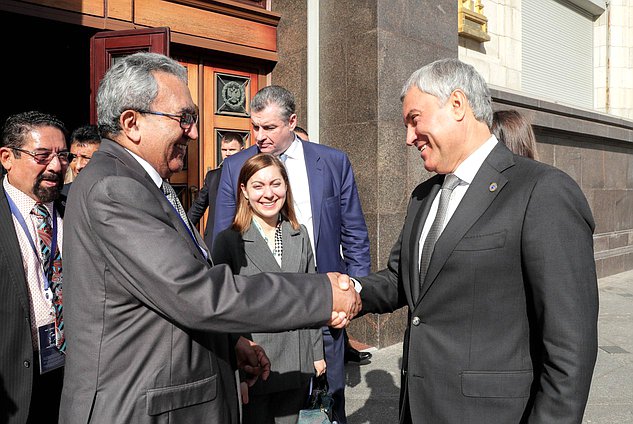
(52, 271)
(450, 182)
(170, 193)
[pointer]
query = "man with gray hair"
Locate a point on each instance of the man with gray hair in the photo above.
(495, 262)
(145, 309)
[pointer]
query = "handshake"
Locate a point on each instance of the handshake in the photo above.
(346, 303)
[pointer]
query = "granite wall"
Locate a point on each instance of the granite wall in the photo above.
(596, 150)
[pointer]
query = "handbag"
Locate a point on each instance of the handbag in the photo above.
(319, 406)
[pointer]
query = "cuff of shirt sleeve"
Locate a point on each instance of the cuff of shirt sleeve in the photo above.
(357, 285)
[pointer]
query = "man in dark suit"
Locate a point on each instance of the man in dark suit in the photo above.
(35, 156)
(325, 199)
(502, 321)
(145, 308)
(230, 144)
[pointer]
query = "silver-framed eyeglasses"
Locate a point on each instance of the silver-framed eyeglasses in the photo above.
(44, 157)
(186, 119)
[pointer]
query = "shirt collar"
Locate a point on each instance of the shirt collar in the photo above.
(23, 201)
(295, 150)
(467, 170)
(154, 175)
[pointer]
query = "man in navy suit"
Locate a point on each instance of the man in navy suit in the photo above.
(325, 199)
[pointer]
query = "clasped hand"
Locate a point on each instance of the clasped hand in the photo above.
(346, 303)
(252, 359)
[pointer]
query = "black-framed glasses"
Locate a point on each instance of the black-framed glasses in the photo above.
(186, 119)
(44, 157)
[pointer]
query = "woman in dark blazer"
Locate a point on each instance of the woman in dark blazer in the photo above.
(266, 237)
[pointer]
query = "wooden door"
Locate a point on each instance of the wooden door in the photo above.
(226, 93)
(227, 99)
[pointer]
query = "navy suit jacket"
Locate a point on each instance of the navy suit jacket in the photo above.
(206, 198)
(336, 211)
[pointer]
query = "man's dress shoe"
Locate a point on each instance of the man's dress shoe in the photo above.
(354, 355)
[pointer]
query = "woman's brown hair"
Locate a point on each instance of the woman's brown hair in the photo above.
(515, 131)
(244, 215)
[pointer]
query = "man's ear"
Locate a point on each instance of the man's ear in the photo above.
(129, 125)
(292, 121)
(459, 104)
(6, 157)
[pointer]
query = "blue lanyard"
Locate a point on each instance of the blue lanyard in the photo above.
(203, 251)
(18, 215)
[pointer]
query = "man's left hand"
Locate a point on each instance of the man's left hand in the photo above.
(252, 359)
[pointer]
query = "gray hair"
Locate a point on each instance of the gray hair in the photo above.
(442, 77)
(274, 94)
(130, 85)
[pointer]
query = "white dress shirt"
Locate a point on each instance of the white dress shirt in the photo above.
(466, 172)
(298, 175)
(41, 310)
(154, 175)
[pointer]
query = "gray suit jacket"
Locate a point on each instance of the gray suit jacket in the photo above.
(143, 307)
(504, 327)
(291, 353)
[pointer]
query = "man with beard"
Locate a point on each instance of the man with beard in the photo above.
(32, 345)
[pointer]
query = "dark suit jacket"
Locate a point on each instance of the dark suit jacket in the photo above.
(336, 211)
(291, 353)
(142, 304)
(17, 363)
(504, 327)
(206, 198)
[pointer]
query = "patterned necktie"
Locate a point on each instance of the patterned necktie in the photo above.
(53, 273)
(450, 182)
(173, 199)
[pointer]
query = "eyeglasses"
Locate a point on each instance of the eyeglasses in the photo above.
(186, 119)
(45, 157)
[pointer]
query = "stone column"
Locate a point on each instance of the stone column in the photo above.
(368, 50)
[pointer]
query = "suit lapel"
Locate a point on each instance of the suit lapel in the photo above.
(292, 248)
(115, 150)
(12, 252)
(258, 252)
(486, 186)
(413, 231)
(314, 168)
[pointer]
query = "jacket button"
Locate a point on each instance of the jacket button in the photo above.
(416, 321)
(27, 364)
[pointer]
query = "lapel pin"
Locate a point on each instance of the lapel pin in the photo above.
(492, 187)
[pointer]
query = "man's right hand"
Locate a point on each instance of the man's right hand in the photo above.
(346, 301)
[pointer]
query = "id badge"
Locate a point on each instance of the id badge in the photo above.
(50, 357)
